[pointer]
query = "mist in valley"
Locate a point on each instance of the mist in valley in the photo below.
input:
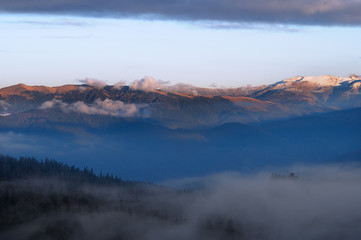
(144, 151)
(318, 202)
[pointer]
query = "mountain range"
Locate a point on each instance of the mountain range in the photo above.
(178, 107)
(171, 132)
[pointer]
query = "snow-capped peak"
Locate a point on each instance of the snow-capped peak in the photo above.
(355, 77)
(324, 80)
(293, 79)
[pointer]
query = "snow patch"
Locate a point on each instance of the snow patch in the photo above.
(325, 80)
(293, 79)
(322, 81)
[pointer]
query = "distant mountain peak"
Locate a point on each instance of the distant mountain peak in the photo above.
(355, 77)
(325, 80)
(21, 89)
(322, 81)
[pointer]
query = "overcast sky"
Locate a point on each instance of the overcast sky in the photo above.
(229, 43)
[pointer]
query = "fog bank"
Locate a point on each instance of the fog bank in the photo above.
(322, 202)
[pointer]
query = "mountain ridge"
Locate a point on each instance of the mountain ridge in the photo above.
(187, 106)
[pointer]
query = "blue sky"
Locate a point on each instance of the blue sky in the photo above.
(57, 49)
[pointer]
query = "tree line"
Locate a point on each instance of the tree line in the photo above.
(28, 167)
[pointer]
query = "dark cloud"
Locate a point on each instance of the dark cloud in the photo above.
(306, 12)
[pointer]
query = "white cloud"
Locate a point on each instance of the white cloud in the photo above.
(119, 85)
(82, 89)
(99, 107)
(147, 84)
(50, 104)
(183, 88)
(4, 105)
(93, 82)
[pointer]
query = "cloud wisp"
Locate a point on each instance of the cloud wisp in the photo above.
(4, 105)
(248, 26)
(306, 12)
(63, 22)
(99, 107)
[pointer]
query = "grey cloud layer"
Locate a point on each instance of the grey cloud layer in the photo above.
(308, 12)
(106, 107)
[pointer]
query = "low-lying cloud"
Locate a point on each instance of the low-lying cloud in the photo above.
(147, 84)
(183, 88)
(4, 105)
(322, 204)
(144, 84)
(150, 84)
(119, 85)
(99, 107)
(306, 12)
(93, 82)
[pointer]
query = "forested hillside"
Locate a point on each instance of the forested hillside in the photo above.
(25, 168)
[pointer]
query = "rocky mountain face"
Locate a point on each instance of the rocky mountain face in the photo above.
(25, 106)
